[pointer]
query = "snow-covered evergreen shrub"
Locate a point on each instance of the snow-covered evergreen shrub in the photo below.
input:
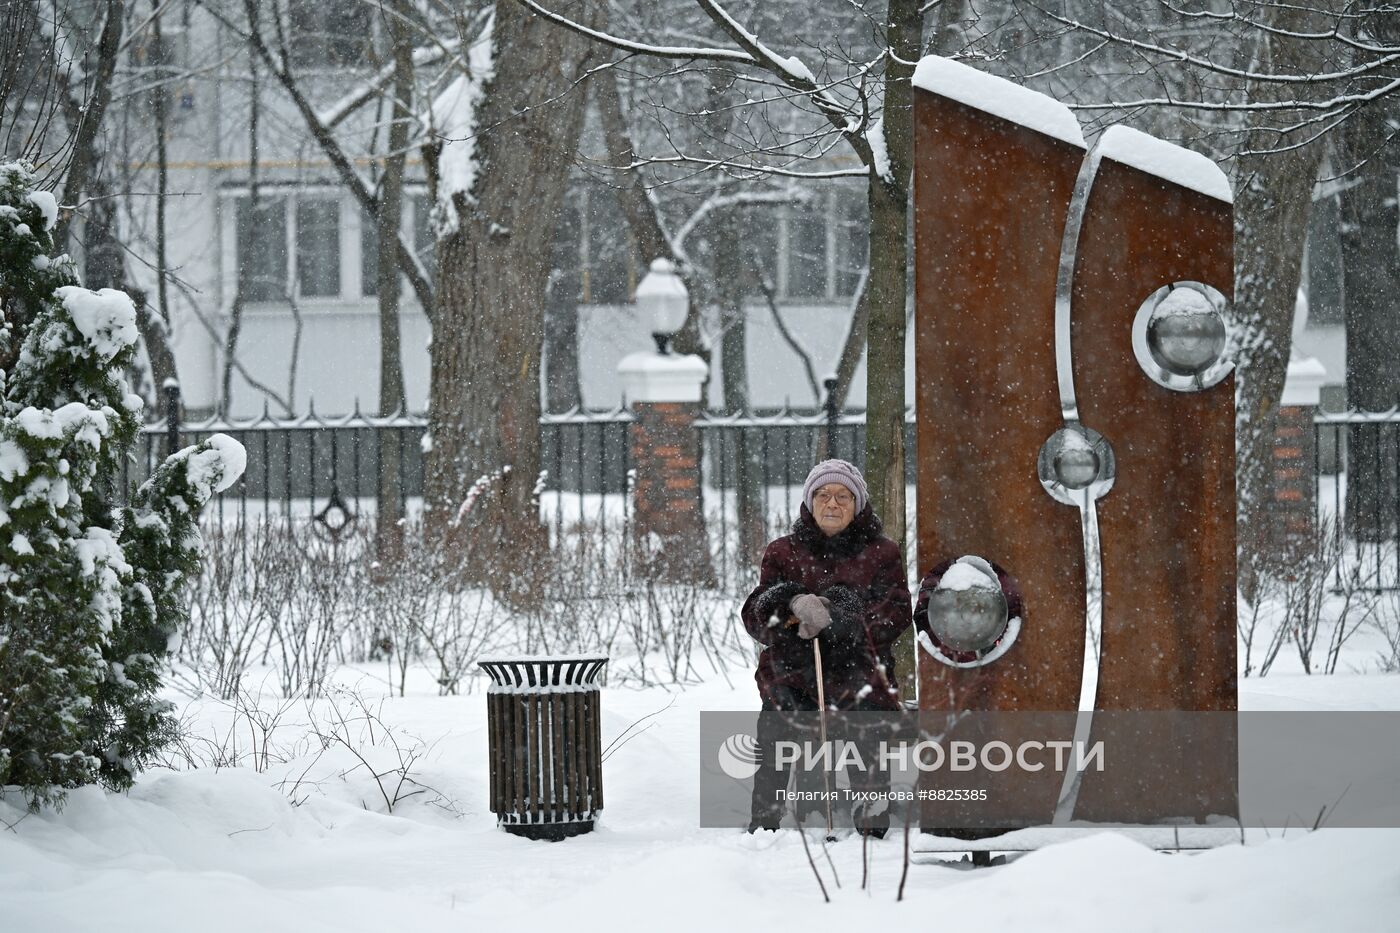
(88, 589)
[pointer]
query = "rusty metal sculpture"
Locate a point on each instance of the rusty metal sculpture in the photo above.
(1071, 310)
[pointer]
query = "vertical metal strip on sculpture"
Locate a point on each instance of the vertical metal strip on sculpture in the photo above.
(1083, 491)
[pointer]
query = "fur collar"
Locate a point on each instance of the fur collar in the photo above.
(854, 538)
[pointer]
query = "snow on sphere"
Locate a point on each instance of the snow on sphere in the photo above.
(1186, 333)
(44, 200)
(106, 318)
(966, 576)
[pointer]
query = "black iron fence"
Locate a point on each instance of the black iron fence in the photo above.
(304, 466)
(299, 466)
(1356, 466)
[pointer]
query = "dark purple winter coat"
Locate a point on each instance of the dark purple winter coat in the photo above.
(860, 571)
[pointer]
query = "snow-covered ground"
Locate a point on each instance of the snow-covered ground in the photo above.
(215, 849)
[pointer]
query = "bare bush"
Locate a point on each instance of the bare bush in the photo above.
(290, 597)
(327, 596)
(386, 755)
(249, 737)
(1326, 598)
(242, 590)
(257, 733)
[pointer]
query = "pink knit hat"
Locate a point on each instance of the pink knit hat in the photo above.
(835, 471)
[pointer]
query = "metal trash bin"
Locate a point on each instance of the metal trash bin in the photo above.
(545, 749)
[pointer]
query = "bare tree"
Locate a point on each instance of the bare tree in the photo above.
(1371, 277)
(35, 70)
(864, 109)
(86, 117)
(1274, 182)
(495, 206)
(1265, 84)
(396, 20)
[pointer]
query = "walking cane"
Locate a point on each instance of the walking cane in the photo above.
(821, 703)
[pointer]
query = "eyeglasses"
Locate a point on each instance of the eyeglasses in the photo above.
(843, 499)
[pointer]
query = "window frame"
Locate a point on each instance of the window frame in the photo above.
(350, 297)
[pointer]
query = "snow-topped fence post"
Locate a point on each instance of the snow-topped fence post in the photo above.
(1293, 502)
(663, 391)
(89, 591)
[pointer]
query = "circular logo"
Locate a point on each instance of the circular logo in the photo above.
(738, 756)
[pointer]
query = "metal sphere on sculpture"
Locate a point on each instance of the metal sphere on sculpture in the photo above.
(967, 610)
(1186, 334)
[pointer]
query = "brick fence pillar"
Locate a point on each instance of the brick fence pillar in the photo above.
(1293, 520)
(663, 391)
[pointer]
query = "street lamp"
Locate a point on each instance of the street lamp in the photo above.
(661, 294)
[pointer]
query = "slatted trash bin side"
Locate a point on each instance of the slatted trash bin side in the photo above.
(545, 745)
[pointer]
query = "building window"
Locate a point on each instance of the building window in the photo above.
(262, 249)
(268, 268)
(330, 33)
(318, 247)
(811, 251)
(607, 264)
(814, 250)
(1322, 264)
(851, 233)
(805, 228)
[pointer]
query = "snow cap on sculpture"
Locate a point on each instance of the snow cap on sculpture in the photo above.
(998, 97)
(1167, 161)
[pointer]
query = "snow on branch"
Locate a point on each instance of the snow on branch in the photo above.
(353, 100)
(1391, 55)
(683, 52)
(1330, 104)
(789, 69)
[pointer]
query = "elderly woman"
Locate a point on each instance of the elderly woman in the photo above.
(838, 580)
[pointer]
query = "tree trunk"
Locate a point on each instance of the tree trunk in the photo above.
(489, 327)
(387, 224)
(887, 289)
(561, 376)
(1371, 273)
(235, 314)
(1273, 200)
(105, 267)
(731, 277)
(86, 116)
(160, 107)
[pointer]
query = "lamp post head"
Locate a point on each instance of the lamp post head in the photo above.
(662, 296)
